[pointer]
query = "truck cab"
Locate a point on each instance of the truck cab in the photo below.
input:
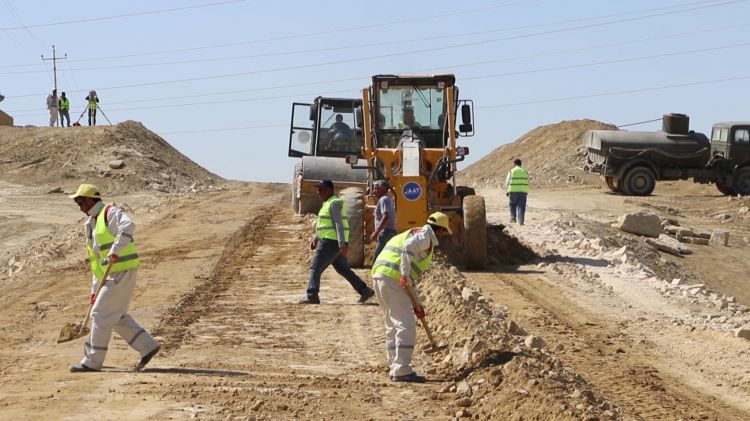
(730, 149)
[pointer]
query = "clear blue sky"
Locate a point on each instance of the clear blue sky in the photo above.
(524, 63)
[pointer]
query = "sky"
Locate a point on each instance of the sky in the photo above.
(217, 78)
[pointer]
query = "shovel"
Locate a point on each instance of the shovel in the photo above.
(77, 330)
(434, 347)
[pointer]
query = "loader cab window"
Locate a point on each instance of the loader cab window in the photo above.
(409, 107)
(336, 134)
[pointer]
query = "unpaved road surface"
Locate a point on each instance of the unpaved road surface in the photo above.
(222, 272)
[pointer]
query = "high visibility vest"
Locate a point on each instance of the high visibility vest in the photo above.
(128, 256)
(92, 104)
(64, 104)
(325, 228)
(519, 180)
(403, 125)
(389, 260)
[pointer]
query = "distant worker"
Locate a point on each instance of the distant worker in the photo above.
(64, 109)
(405, 257)
(330, 245)
(517, 188)
(109, 241)
(92, 103)
(385, 217)
(408, 121)
(52, 107)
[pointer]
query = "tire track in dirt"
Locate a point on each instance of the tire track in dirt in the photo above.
(599, 350)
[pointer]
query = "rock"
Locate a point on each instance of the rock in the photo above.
(696, 240)
(515, 329)
(640, 223)
(464, 402)
(55, 190)
(678, 281)
(496, 377)
(669, 245)
(534, 342)
(464, 413)
(469, 294)
(463, 389)
(719, 238)
(743, 332)
(743, 209)
(116, 164)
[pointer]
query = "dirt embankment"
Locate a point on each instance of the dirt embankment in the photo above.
(553, 154)
(118, 159)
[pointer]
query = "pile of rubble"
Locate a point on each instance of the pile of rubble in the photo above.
(498, 369)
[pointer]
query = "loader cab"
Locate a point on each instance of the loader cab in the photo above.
(732, 141)
(325, 128)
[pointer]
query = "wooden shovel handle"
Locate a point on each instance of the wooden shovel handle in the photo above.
(91, 306)
(415, 303)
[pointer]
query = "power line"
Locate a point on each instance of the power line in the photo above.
(359, 46)
(639, 123)
(410, 53)
(126, 15)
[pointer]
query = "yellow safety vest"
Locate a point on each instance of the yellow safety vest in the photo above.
(128, 257)
(519, 180)
(64, 104)
(325, 228)
(92, 104)
(389, 260)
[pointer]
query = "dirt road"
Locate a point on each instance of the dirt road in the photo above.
(223, 269)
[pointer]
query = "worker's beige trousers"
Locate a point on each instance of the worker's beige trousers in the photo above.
(110, 312)
(400, 324)
(53, 116)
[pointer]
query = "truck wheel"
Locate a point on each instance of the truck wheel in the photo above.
(613, 184)
(475, 232)
(295, 197)
(724, 189)
(741, 184)
(639, 181)
(354, 198)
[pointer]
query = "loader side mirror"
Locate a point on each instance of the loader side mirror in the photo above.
(313, 112)
(466, 126)
(352, 159)
(359, 118)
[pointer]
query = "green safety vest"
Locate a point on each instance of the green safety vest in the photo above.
(325, 228)
(519, 180)
(92, 104)
(128, 257)
(389, 260)
(64, 104)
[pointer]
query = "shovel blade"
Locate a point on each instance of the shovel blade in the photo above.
(433, 348)
(72, 331)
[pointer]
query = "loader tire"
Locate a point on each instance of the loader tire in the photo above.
(475, 232)
(354, 198)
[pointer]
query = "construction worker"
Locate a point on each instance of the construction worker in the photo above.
(64, 109)
(330, 245)
(409, 122)
(385, 217)
(109, 242)
(52, 107)
(404, 258)
(92, 101)
(517, 188)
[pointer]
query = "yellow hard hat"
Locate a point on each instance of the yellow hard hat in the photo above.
(440, 219)
(86, 190)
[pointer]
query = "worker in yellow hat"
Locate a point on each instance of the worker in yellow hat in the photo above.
(404, 258)
(109, 243)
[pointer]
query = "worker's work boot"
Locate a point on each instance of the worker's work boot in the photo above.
(369, 293)
(81, 368)
(409, 378)
(146, 358)
(309, 300)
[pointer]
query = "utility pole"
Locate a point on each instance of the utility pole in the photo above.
(54, 67)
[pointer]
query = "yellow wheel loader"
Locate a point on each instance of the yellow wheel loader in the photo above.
(408, 125)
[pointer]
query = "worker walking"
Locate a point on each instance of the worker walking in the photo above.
(404, 258)
(517, 188)
(64, 109)
(385, 217)
(330, 245)
(52, 106)
(92, 101)
(109, 241)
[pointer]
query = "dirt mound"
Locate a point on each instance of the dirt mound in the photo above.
(498, 371)
(553, 154)
(121, 158)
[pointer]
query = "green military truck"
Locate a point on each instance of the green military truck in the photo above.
(632, 162)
